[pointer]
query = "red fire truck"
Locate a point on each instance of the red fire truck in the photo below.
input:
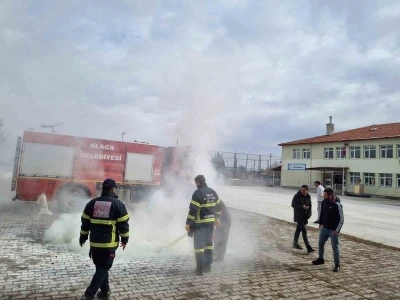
(69, 168)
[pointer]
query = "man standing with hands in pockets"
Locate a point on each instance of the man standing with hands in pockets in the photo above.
(330, 224)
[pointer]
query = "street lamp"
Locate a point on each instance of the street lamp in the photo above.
(122, 135)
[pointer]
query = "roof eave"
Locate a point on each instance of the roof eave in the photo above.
(337, 141)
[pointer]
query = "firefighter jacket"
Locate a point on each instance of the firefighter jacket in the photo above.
(204, 208)
(106, 219)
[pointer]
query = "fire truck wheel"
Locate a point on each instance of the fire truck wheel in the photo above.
(72, 197)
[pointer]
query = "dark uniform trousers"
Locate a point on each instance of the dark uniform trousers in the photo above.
(221, 241)
(103, 260)
(203, 244)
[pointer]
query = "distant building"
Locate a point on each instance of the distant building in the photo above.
(363, 160)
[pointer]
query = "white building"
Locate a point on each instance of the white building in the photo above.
(363, 160)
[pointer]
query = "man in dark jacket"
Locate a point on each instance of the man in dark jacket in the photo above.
(221, 234)
(330, 223)
(204, 212)
(301, 204)
(106, 219)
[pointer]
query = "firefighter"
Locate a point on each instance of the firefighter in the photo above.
(222, 234)
(204, 211)
(106, 218)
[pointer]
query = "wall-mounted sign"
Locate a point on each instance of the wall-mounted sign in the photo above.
(297, 167)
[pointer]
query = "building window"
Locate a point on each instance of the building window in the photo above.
(296, 154)
(369, 179)
(398, 151)
(328, 153)
(398, 180)
(387, 151)
(340, 153)
(306, 153)
(355, 177)
(386, 179)
(369, 152)
(355, 152)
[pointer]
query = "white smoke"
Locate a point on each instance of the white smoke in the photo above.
(154, 224)
(5, 188)
(161, 218)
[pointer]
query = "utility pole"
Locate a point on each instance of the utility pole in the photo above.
(122, 136)
(270, 161)
(235, 165)
(247, 160)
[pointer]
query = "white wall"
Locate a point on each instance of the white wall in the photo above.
(362, 165)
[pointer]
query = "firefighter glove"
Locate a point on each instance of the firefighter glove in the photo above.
(82, 240)
(190, 233)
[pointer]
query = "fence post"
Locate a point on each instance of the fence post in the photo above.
(235, 165)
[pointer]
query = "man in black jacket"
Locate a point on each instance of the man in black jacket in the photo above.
(330, 223)
(106, 219)
(301, 204)
(221, 234)
(204, 212)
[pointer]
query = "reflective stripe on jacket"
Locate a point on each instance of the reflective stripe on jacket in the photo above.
(204, 208)
(106, 220)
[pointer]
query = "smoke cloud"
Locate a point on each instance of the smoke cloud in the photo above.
(5, 188)
(154, 224)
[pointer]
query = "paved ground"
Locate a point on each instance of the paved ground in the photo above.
(32, 270)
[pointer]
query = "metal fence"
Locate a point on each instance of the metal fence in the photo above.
(247, 166)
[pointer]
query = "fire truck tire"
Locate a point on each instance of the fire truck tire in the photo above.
(72, 197)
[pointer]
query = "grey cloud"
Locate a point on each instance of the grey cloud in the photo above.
(242, 75)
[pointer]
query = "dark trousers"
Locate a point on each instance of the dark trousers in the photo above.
(221, 241)
(203, 245)
(301, 227)
(103, 260)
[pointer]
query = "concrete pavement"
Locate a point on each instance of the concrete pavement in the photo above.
(260, 264)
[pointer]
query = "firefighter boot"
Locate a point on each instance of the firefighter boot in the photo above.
(199, 264)
(207, 268)
(104, 295)
(85, 297)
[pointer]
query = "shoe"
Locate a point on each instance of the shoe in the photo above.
(104, 295)
(310, 250)
(336, 269)
(85, 297)
(207, 269)
(297, 246)
(316, 222)
(318, 261)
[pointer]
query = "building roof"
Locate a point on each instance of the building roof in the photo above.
(381, 131)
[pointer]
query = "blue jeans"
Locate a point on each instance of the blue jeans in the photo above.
(324, 235)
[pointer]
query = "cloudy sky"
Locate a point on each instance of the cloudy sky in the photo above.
(227, 75)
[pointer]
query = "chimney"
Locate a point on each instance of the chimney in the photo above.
(330, 127)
